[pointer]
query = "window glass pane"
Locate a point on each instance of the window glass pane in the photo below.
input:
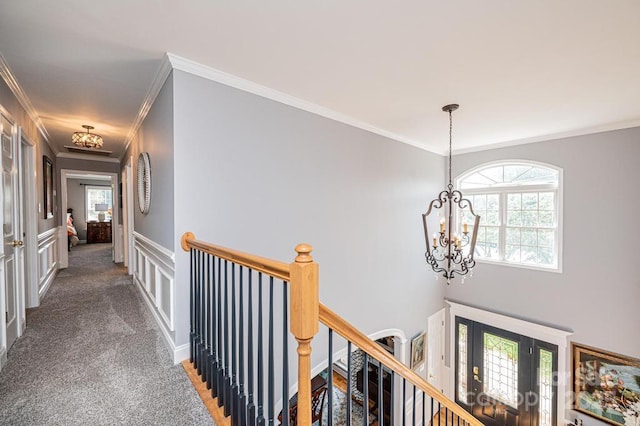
(529, 237)
(529, 218)
(528, 254)
(512, 253)
(495, 174)
(545, 256)
(546, 219)
(493, 202)
(501, 368)
(546, 201)
(514, 201)
(530, 201)
(545, 378)
(512, 173)
(513, 236)
(462, 363)
(514, 218)
(545, 238)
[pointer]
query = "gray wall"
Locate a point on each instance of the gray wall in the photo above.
(597, 294)
(261, 177)
(76, 200)
(155, 136)
(11, 104)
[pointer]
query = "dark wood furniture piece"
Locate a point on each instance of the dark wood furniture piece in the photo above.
(373, 391)
(318, 395)
(98, 232)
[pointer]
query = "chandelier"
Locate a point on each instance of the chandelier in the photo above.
(450, 250)
(87, 139)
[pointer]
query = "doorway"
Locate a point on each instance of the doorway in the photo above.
(95, 214)
(504, 378)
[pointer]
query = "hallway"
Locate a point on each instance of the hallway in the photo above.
(91, 354)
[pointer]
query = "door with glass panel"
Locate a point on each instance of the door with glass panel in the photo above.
(504, 378)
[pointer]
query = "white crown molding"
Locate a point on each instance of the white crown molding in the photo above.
(21, 96)
(621, 125)
(230, 80)
(161, 76)
(88, 157)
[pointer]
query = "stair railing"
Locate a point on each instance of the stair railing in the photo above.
(236, 338)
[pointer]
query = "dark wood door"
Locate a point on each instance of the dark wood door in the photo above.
(503, 378)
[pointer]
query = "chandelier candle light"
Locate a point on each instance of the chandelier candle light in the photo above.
(87, 139)
(451, 250)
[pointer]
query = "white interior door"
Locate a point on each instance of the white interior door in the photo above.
(435, 350)
(11, 232)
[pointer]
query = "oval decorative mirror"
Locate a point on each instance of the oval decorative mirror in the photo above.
(144, 182)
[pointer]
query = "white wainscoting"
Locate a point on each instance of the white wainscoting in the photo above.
(48, 264)
(153, 273)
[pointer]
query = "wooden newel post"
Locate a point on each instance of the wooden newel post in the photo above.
(304, 323)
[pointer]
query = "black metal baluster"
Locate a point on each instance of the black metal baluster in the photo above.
(424, 407)
(414, 405)
(404, 401)
(348, 413)
(227, 359)
(431, 417)
(209, 351)
(439, 413)
(242, 409)
(330, 379)
(285, 356)
(365, 389)
(260, 420)
(192, 298)
(251, 408)
(271, 384)
(235, 396)
(380, 396)
(391, 396)
(198, 364)
(220, 355)
(214, 351)
(204, 356)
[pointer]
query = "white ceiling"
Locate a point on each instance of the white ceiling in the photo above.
(522, 70)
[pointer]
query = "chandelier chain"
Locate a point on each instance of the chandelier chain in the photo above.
(450, 186)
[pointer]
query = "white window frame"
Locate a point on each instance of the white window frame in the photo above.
(86, 197)
(502, 191)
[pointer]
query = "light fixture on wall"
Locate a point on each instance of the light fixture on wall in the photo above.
(450, 251)
(87, 139)
(101, 208)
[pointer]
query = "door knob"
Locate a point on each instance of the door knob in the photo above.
(475, 377)
(17, 243)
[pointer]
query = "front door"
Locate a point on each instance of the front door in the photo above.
(12, 238)
(504, 378)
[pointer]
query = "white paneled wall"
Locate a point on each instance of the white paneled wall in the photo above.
(154, 269)
(48, 258)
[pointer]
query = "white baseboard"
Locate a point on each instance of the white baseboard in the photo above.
(3, 357)
(47, 283)
(178, 353)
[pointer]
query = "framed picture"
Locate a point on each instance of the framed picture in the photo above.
(606, 385)
(417, 350)
(47, 174)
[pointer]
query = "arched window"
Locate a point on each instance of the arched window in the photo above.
(519, 204)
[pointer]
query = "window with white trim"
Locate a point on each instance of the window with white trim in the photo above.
(519, 204)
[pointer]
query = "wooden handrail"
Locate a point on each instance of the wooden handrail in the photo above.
(274, 268)
(355, 336)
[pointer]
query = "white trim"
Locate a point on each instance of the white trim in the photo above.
(89, 157)
(128, 214)
(179, 353)
(30, 222)
(537, 331)
(160, 251)
(48, 261)
(163, 72)
(11, 81)
(230, 80)
(3, 357)
(503, 189)
(620, 125)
